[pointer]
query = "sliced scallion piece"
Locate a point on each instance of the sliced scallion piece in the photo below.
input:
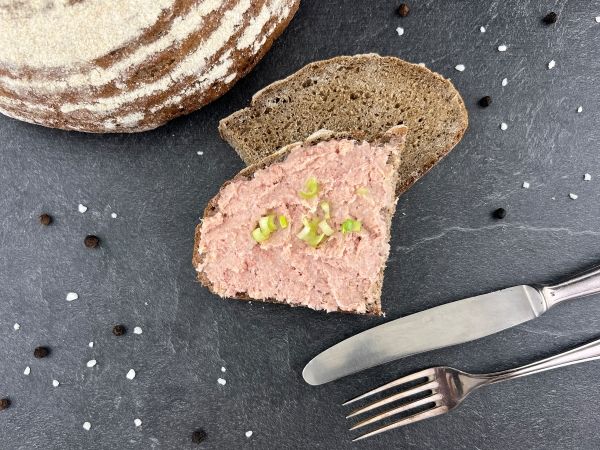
(326, 209)
(325, 228)
(314, 239)
(283, 223)
(271, 222)
(259, 236)
(311, 189)
(263, 223)
(351, 225)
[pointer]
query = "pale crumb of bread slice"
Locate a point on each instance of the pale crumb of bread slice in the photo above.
(395, 135)
(362, 93)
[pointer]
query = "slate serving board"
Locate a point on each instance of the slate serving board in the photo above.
(445, 246)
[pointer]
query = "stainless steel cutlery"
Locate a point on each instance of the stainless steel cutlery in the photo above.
(445, 388)
(445, 325)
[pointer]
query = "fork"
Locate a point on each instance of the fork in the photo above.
(449, 387)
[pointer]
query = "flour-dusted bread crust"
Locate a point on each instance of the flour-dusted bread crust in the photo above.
(366, 93)
(128, 65)
(396, 135)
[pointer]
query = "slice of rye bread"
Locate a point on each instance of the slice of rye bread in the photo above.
(128, 65)
(395, 135)
(369, 93)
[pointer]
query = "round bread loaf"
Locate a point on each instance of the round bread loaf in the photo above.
(128, 65)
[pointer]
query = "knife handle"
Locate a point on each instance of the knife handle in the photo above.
(586, 283)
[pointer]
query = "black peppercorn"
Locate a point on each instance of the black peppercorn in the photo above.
(45, 219)
(4, 403)
(550, 18)
(486, 101)
(91, 241)
(500, 213)
(41, 352)
(119, 330)
(198, 436)
(403, 10)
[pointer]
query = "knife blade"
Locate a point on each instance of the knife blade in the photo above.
(442, 326)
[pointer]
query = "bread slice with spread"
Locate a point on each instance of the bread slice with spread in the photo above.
(307, 226)
(366, 93)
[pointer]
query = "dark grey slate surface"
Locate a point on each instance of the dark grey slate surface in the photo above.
(445, 246)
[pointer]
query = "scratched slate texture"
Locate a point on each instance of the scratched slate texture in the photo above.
(445, 246)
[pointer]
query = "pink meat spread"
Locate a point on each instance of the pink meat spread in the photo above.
(342, 273)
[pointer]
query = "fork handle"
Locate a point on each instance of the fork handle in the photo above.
(587, 352)
(586, 283)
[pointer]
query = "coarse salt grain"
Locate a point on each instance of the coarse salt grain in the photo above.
(248, 433)
(91, 345)
(200, 153)
(482, 29)
(131, 374)
(82, 208)
(580, 109)
(222, 381)
(551, 64)
(587, 177)
(502, 48)
(223, 369)
(137, 422)
(91, 363)
(400, 31)
(55, 383)
(27, 370)
(525, 184)
(597, 19)
(71, 296)
(460, 67)
(113, 215)
(137, 330)
(16, 326)
(504, 81)
(573, 196)
(87, 426)
(503, 126)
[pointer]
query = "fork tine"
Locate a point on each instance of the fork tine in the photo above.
(406, 421)
(392, 398)
(398, 382)
(423, 401)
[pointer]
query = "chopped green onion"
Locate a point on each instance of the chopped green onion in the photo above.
(325, 228)
(266, 225)
(271, 222)
(259, 236)
(351, 225)
(325, 208)
(263, 223)
(362, 191)
(283, 223)
(314, 240)
(309, 232)
(305, 232)
(311, 189)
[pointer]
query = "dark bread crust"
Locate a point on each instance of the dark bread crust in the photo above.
(398, 132)
(157, 65)
(433, 109)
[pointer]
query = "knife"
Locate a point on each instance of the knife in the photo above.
(445, 325)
